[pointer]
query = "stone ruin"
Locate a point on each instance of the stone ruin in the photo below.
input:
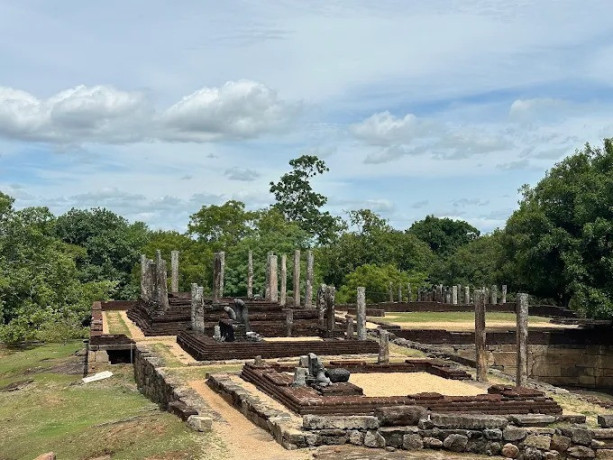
(312, 372)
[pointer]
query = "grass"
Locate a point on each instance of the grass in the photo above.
(451, 317)
(57, 412)
(116, 324)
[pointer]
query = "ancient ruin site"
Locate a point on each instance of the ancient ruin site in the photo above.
(279, 376)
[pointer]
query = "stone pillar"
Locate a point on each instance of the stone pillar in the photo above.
(434, 294)
(197, 308)
(349, 321)
(308, 292)
(503, 298)
(320, 302)
(161, 283)
(447, 295)
(361, 313)
(390, 291)
(329, 297)
(273, 289)
(522, 339)
(454, 295)
(146, 282)
(384, 347)
(289, 320)
(439, 291)
(399, 293)
(480, 337)
(174, 271)
(296, 278)
(460, 292)
(283, 294)
(409, 293)
(250, 275)
(467, 295)
(267, 274)
(219, 268)
(494, 294)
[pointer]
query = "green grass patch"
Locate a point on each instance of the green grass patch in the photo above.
(451, 317)
(162, 350)
(116, 324)
(57, 412)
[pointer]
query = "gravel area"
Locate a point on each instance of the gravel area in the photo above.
(402, 384)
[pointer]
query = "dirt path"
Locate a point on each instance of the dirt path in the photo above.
(135, 331)
(242, 438)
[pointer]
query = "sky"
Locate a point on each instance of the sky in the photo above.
(155, 108)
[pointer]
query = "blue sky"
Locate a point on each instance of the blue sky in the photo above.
(155, 108)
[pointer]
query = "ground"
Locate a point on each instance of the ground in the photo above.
(459, 321)
(52, 410)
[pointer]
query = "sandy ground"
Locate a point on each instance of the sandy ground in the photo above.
(396, 384)
(462, 326)
(292, 339)
(242, 438)
(105, 322)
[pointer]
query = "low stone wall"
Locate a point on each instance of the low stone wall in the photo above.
(117, 305)
(171, 394)
(528, 436)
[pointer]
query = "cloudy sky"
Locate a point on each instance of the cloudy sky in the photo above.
(154, 108)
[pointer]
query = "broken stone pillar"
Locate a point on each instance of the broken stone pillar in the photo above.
(409, 293)
(250, 275)
(197, 308)
(522, 339)
(460, 292)
(467, 295)
(289, 321)
(273, 278)
(147, 281)
(308, 292)
(219, 268)
(174, 271)
(349, 321)
(300, 377)
(480, 337)
(283, 294)
(503, 298)
(399, 293)
(161, 281)
(321, 305)
(390, 291)
(494, 294)
(296, 278)
(329, 297)
(454, 295)
(217, 333)
(447, 295)
(439, 292)
(361, 313)
(384, 347)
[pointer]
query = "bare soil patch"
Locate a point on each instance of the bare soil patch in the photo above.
(402, 384)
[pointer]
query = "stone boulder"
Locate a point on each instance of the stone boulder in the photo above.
(455, 442)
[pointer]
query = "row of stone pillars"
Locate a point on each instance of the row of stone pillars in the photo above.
(455, 295)
(272, 291)
(521, 311)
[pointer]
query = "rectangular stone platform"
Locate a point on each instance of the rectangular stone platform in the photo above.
(204, 348)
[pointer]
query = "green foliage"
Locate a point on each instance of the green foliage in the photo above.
(112, 246)
(376, 279)
(299, 203)
(475, 263)
(444, 235)
(221, 226)
(559, 243)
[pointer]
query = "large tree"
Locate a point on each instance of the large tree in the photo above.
(299, 203)
(444, 235)
(559, 243)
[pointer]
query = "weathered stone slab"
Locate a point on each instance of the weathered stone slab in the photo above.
(580, 452)
(374, 439)
(532, 419)
(399, 415)
(560, 442)
(200, 423)
(537, 441)
(412, 442)
(455, 442)
(605, 421)
(512, 433)
(604, 454)
(581, 436)
(356, 422)
(603, 433)
(468, 422)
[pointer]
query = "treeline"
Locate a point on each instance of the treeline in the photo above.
(558, 246)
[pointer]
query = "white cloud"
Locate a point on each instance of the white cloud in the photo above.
(103, 114)
(241, 174)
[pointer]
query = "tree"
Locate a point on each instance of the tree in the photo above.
(375, 243)
(112, 246)
(376, 279)
(559, 243)
(299, 203)
(475, 263)
(444, 235)
(221, 226)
